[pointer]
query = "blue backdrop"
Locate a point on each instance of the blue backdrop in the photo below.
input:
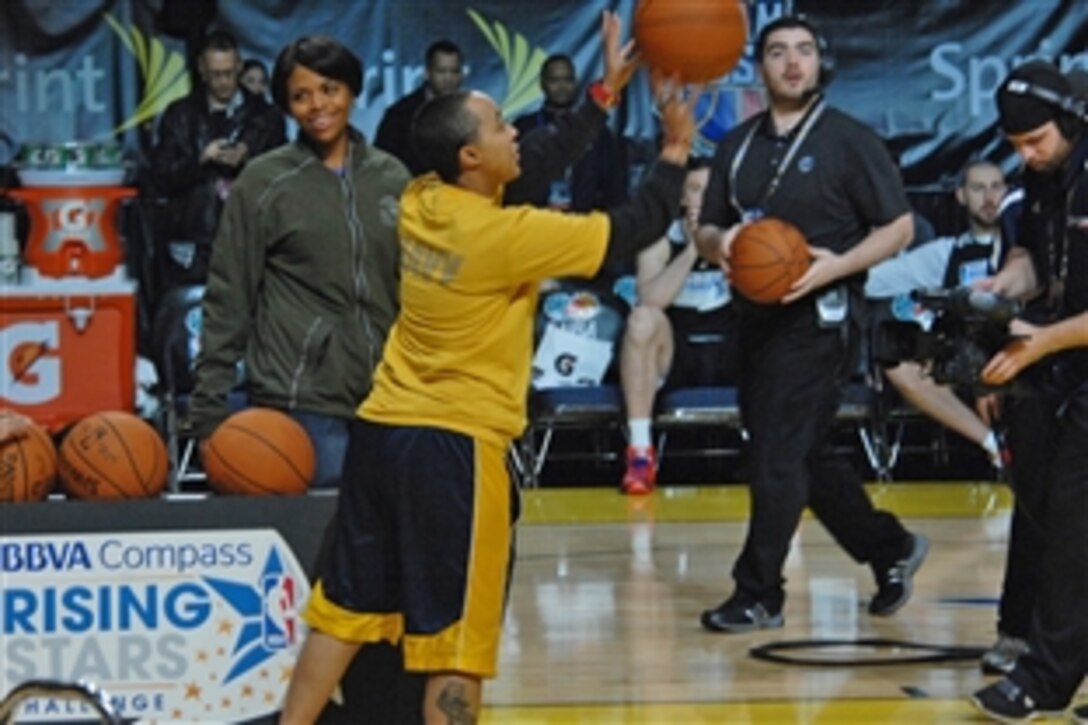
(922, 73)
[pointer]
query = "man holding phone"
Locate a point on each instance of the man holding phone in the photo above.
(204, 140)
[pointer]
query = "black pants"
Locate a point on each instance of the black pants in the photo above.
(791, 375)
(1058, 634)
(1032, 423)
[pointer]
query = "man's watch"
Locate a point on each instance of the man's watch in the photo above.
(599, 93)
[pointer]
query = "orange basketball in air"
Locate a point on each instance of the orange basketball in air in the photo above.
(698, 40)
(113, 455)
(259, 451)
(766, 258)
(28, 459)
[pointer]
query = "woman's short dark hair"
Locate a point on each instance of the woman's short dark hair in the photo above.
(321, 54)
(440, 128)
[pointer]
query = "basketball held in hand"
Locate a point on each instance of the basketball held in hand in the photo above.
(257, 452)
(766, 258)
(698, 40)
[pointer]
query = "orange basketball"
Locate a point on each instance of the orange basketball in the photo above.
(113, 455)
(699, 40)
(259, 451)
(28, 459)
(767, 257)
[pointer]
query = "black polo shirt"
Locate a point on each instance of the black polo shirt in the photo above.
(1055, 216)
(839, 184)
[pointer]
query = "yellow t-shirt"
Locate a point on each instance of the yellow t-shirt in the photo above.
(458, 356)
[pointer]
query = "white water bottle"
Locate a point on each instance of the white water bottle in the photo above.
(9, 250)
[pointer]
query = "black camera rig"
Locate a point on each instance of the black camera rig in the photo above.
(954, 333)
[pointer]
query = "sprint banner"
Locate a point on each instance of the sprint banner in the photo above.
(192, 626)
(921, 73)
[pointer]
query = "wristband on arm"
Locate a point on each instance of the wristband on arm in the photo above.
(600, 94)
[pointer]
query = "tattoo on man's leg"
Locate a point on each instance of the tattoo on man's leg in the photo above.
(453, 701)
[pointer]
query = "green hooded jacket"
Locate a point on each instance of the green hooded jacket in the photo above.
(302, 286)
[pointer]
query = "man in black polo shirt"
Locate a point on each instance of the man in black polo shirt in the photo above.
(830, 176)
(1048, 426)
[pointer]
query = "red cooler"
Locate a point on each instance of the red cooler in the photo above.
(69, 348)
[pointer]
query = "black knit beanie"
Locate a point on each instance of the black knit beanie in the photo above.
(1021, 112)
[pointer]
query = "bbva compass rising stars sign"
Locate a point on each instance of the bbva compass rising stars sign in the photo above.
(173, 625)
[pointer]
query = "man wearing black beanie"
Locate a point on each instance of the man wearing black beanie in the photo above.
(1046, 579)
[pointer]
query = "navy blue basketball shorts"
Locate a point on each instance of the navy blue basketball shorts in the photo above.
(420, 549)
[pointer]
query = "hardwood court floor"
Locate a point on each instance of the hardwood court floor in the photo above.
(603, 619)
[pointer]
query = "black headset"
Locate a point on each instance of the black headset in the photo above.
(827, 60)
(1073, 110)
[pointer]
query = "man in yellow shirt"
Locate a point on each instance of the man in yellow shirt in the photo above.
(421, 551)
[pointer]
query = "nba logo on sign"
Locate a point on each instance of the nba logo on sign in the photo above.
(278, 625)
(267, 610)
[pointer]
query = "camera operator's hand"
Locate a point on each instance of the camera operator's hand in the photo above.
(1016, 279)
(826, 267)
(1029, 346)
(988, 408)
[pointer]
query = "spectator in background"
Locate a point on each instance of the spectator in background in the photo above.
(596, 181)
(949, 262)
(442, 75)
(255, 77)
(599, 179)
(204, 141)
(303, 279)
(680, 332)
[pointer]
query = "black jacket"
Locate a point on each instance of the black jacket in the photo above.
(395, 130)
(195, 192)
(598, 180)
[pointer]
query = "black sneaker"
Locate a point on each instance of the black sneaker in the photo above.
(1006, 701)
(736, 615)
(895, 584)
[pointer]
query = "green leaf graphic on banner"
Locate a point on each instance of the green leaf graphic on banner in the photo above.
(165, 77)
(521, 60)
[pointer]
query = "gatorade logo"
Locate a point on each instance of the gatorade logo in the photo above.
(73, 219)
(32, 372)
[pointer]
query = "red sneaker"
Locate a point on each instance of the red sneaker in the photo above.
(641, 472)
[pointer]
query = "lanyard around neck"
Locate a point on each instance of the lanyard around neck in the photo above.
(968, 238)
(772, 186)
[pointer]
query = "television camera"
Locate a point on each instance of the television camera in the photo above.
(954, 333)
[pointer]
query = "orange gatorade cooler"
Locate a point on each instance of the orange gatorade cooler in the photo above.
(67, 348)
(73, 229)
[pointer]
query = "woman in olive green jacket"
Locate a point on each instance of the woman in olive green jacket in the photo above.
(302, 287)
